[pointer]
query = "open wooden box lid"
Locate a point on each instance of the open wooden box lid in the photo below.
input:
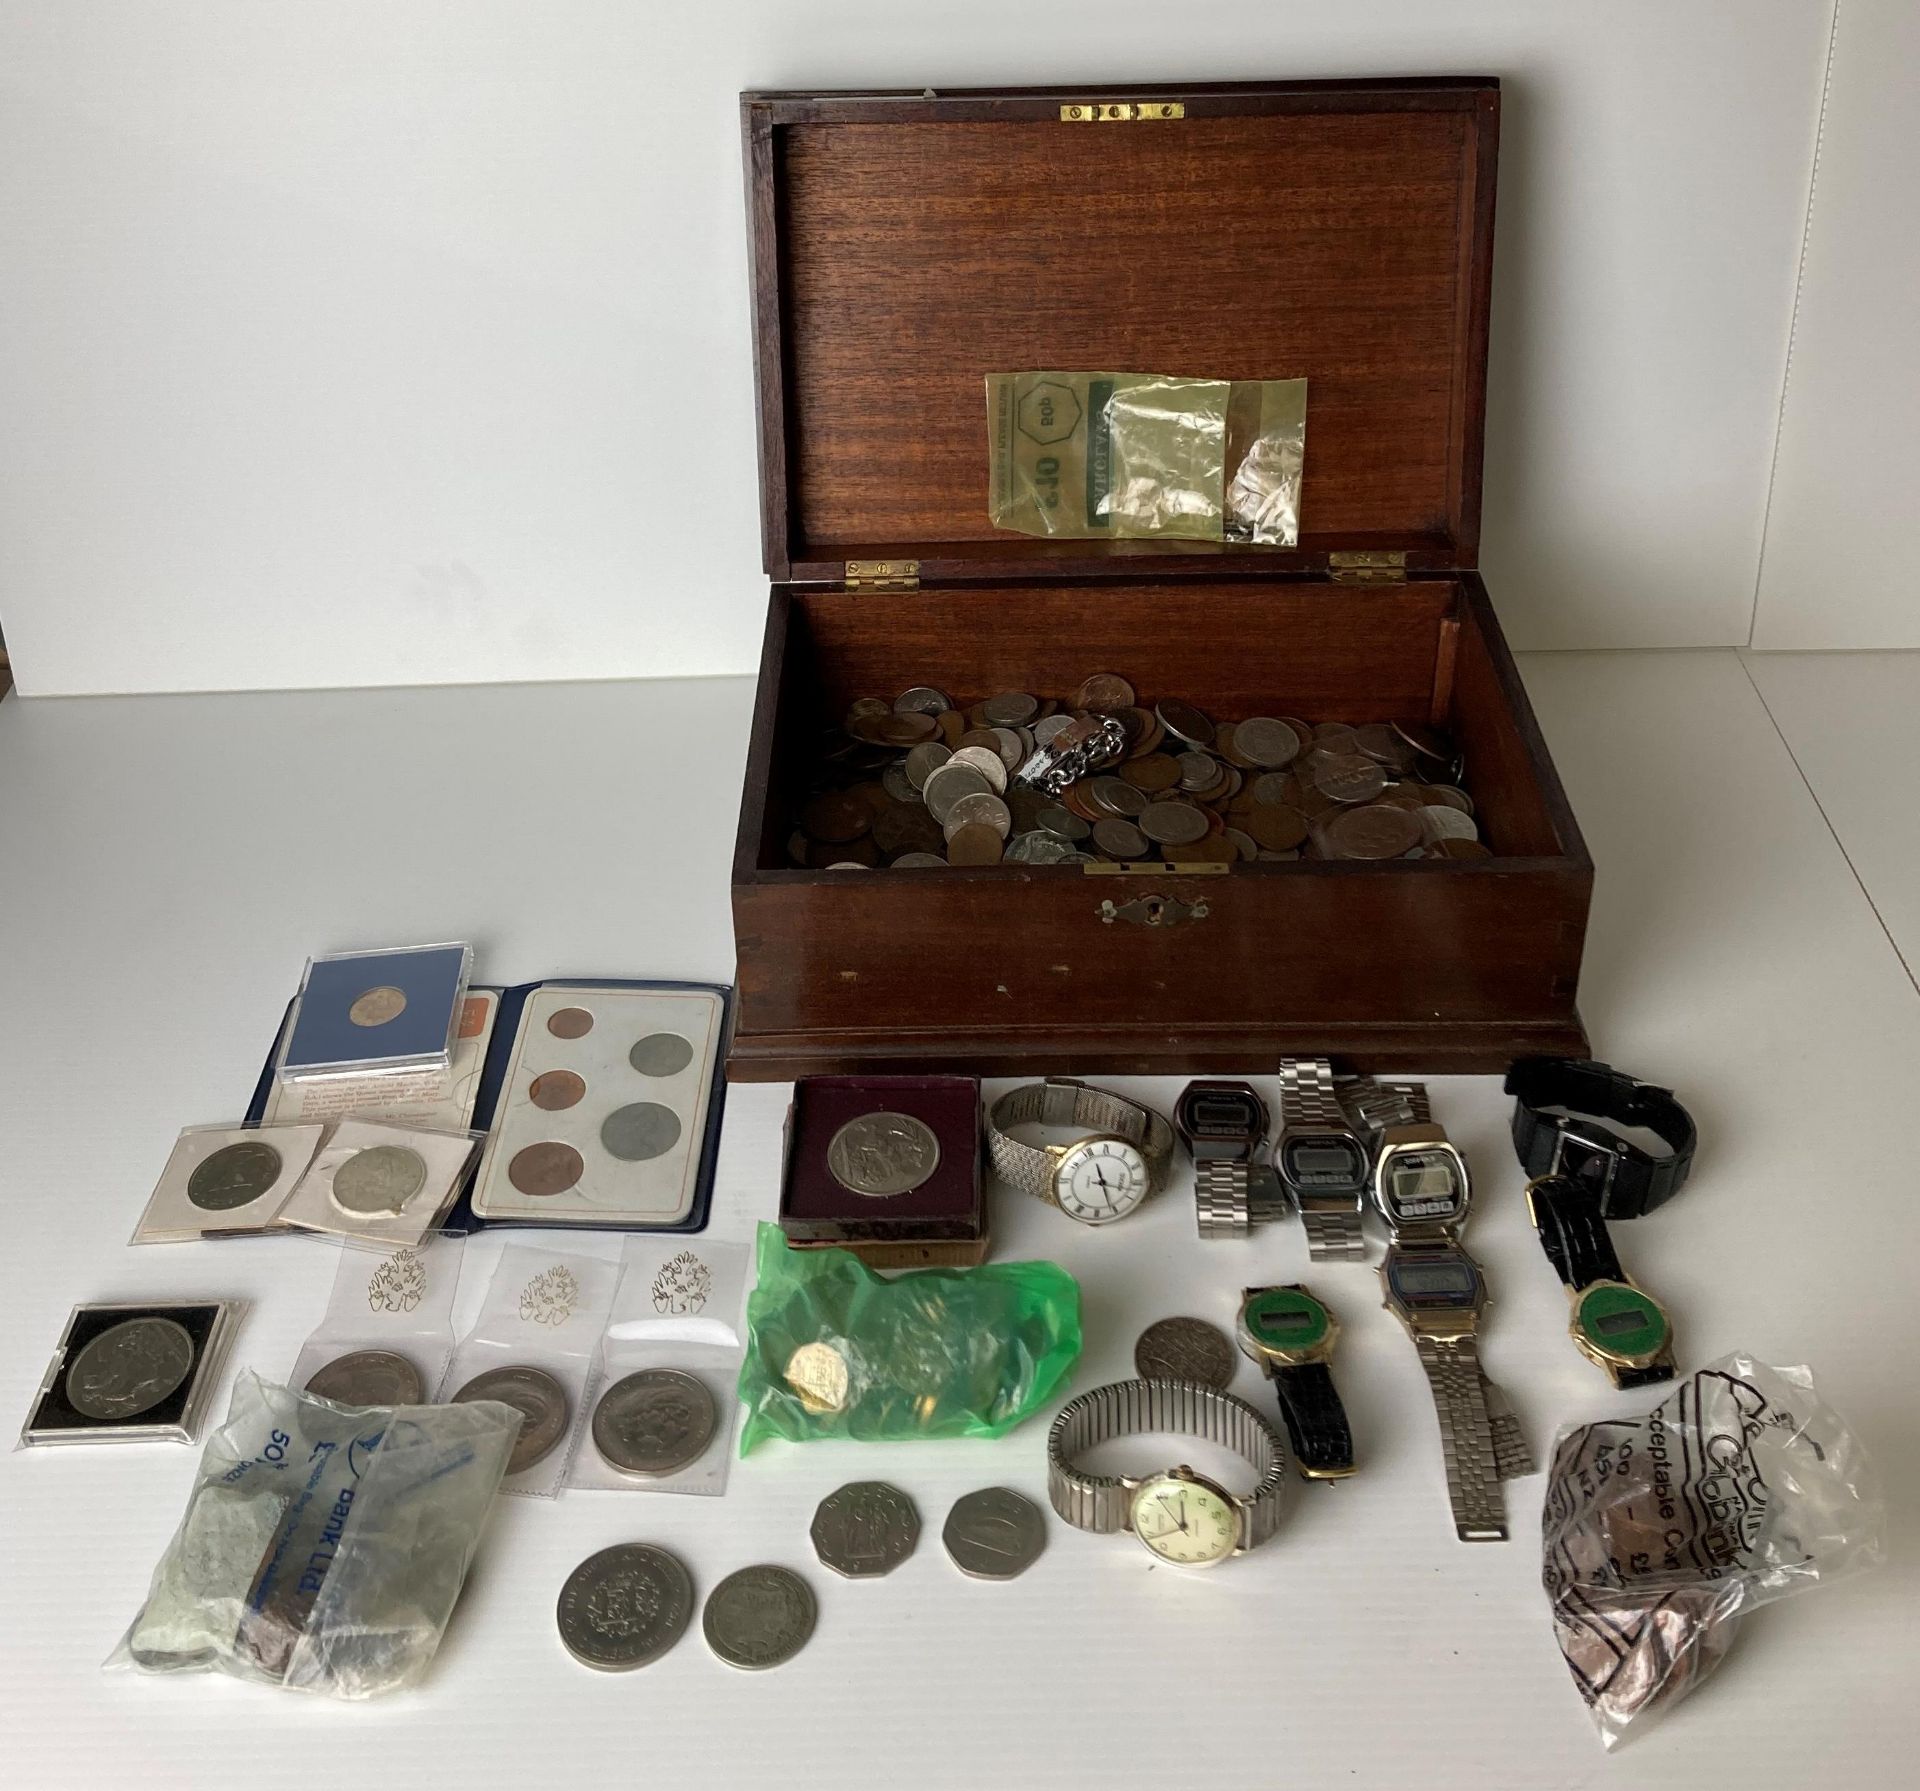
(905, 246)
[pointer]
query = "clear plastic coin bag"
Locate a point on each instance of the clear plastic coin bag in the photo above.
(322, 1549)
(1662, 1532)
(1130, 455)
(535, 1346)
(836, 1350)
(663, 1398)
(381, 1185)
(388, 1329)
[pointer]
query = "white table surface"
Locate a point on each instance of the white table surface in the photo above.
(166, 864)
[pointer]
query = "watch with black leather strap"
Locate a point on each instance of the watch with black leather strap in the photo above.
(1614, 1323)
(1224, 1127)
(1582, 1141)
(1291, 1335)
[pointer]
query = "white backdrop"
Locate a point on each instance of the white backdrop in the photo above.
(1838, 569)
(370, 343)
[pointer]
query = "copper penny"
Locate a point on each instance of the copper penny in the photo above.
(1105, 691)
(1156, 773)
(570, 1023)
(976, 843)
(1277, 827)
(953, 727)
(544, 1169)
(1461, 849)
(554, 1090)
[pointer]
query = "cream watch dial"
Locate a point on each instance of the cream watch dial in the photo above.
(1101, 1180)
(1186, 1523)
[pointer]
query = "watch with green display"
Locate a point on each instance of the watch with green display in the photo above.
(1421, 1185)
(1438, 1292)
(1613, 1322)
(1291, 1335)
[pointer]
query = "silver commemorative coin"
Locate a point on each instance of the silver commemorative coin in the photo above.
(1373, 832)
(988, 811)
(922, 699)
(1348, 777)
(759, 1617)
(654, 1422)
(912, 861)
(1446, 796)
(898, 785)
(624, 1607)
(989, 763)
(994, 1534)
(1010, 709)
(380, 1179)
(368, 1377)
(946, 785)
(541, 1402)
(1116, 797)
(925, 759)
(1198, 770)
(1050, 727)
(234, 1175)
(1016, 747)
(1173, 823)
(1120, 839)
(1244, 844)
(865, 1529)
(1267, 742)
(661, 1054)
(129, 1368)
(1062, 823)
(1184, 1349)
(640, 1131)
(1444, 823)
(882, 1154)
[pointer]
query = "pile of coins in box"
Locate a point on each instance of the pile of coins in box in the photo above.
(919, 782)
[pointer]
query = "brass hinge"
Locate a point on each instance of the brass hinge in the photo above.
(1119, 111)
(1369, 566)
(883, 575)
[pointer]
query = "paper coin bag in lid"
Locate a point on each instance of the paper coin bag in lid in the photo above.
(323, 1549)
(1128, 455)
(1662, 1532)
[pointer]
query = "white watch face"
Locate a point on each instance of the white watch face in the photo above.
(1186, 1523)
(1101, 1180)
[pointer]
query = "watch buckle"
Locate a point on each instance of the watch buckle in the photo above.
(1058, 1100)
(1604, 1149)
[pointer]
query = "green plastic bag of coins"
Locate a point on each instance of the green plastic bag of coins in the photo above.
(836, 1350)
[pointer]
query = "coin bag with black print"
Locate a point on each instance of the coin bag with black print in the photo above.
(322, 1550)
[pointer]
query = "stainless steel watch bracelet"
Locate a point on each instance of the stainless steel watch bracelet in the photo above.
(1103, 1503)
(1059, 1101)
(1309, 1098)
(1474, 1468)
(1222, 1194)
(1374, 1106)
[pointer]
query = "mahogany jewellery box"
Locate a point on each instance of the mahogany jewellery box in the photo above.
(904, 247)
